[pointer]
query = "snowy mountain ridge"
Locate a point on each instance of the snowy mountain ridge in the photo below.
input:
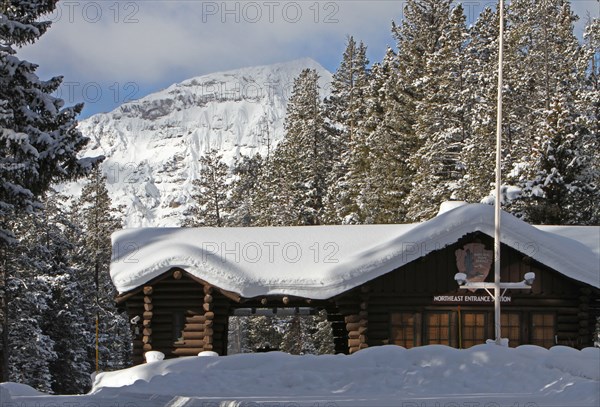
(153, 145)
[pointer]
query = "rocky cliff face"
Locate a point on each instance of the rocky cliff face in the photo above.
(153, 144)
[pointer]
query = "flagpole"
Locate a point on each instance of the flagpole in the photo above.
(498, 209)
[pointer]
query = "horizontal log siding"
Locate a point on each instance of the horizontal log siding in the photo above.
(413, 287)
(184, 296)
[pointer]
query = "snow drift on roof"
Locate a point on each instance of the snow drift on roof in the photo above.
(322, 261)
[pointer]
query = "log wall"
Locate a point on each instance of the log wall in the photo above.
(179, 317)
(412, 288)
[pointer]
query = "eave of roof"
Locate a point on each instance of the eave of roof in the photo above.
(362, 252)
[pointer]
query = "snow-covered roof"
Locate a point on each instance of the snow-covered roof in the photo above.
(322, 261)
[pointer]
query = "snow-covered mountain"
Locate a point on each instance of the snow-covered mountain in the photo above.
(152, 145)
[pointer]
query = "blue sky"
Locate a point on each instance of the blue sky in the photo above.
(112, 51)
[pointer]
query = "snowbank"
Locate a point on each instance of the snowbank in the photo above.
(385, 375)
(323, 261)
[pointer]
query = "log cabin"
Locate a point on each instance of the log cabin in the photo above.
(380, 284)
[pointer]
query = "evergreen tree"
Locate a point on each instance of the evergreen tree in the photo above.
(210, 192)
(344, 106)
(442, 126)
(243, 207)
(274, 200)
(302, 161)
(547, 62)
(557, 193)
(345, 112)
(541, 61)
(297, 338)
(478, 153)
(418, 40)
(50, 317)
(418, 37)
(31, 350)
(69, 319)
(28, 349)
(588, 104)
(236, 335)
(39, 140)
(323, 336)
(262, 333)
(100, 220)
(378, 173)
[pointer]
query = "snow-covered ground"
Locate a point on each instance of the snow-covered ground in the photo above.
(482, 376)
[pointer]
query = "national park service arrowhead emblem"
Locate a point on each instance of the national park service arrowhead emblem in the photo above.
(475, 261)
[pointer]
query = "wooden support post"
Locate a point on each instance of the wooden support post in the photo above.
(209, 316)
(357, 325)
(147, 319)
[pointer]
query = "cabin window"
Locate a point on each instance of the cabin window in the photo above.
(543, 329)
(474, 330)
(511, 327)
(404, 329)
(178, 325)
(438, 328)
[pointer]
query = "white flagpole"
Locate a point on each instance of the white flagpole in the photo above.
(498, 180)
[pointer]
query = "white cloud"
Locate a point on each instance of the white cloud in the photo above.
(148, 40)
(160, 42)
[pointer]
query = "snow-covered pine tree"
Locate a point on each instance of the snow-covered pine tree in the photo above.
(546, 131)
(243, 205)
(39, 140)
(100, 220)
(588, 99)
(236, 335)
(28, 349)
(442, 125)
(344, 110)
(210, 192)
(298, 335)
(556, 193)
(49, 322)
(417, 39)
(343, 107)
(478, 153)
(588, 105)
(530, 74)
(271, 195)
(303, 159)
(69, 318)
(323, 337)
(378, 172)
(275, 199)
(263, 332)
